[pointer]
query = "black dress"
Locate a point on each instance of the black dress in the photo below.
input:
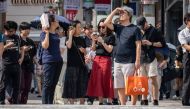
(76, 77)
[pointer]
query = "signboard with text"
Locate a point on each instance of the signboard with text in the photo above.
(103, 5)
(88, 3)
(71, 4)
(149, 1)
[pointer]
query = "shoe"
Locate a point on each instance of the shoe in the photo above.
(185, 103)
(89, 103)
(155, 103)
(115, 102)
(144, 102)
(32, 90)
(161, 98)
(167, 95)
(175, 97)
(109, 104)
(101, 104)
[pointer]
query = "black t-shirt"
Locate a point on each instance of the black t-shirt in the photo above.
(88, 41)
(179, 58)
(74, 56)
(126, 46)
(100, 50)
(11, 55)
(153, 35)
(28, 57)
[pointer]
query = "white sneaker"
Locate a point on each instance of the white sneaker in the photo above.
(175, 97)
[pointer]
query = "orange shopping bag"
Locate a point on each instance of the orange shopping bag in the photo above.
(136, 85)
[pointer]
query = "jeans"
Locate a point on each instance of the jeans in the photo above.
(10, 76)
(51, 76)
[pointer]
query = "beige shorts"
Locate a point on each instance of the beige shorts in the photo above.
(150, 69)
(121, 71)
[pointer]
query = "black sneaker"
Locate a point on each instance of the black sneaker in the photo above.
(101, 104)
(115, 101)
(144, 102)
(109, 104)
(155, 102)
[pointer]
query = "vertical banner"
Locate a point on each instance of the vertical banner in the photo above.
(3, 6)
(70, 14)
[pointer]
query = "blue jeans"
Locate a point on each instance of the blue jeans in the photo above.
(51, 76)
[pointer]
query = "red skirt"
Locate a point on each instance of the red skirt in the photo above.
(100, 83)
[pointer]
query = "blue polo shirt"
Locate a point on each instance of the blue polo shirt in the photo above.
(126, 47)
(52, 53)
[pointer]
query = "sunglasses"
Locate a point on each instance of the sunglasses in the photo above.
(103, 27)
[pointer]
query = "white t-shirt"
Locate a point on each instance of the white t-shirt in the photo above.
(63, 46)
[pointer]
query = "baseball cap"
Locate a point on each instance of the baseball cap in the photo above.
(128, 9)
(141, 21)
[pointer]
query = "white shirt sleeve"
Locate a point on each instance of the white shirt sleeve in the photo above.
(181, 37)
(62, 42)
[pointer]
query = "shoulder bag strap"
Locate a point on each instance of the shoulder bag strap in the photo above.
(78, 52)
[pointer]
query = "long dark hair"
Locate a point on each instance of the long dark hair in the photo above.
(109, 31)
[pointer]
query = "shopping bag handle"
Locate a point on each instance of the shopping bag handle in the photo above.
(136, 72)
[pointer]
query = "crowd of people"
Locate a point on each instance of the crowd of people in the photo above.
(97, 64)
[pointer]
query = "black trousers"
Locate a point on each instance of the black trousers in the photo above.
(186, 79)
(10, 76)
(51, 76)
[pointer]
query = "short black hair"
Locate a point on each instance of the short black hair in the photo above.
(10, 25)
(186, 18)
(24, 26)
(88, 26)
(75, 22)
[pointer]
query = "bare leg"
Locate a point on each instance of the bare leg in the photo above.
(82, 101)
(134, 99)
(155, 89)
(122, 97)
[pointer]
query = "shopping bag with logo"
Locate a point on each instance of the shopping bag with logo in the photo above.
(136, 85)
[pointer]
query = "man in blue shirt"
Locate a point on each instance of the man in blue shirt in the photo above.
(127, 56)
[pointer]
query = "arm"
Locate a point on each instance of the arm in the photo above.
(69, 42)
(138, 54)
(93, 45)
(22, 51)
(108, 21)
(186, 46)
(45, 42)
(1, 49)
(108, 48)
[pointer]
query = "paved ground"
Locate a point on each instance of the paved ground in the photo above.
(35, 103)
